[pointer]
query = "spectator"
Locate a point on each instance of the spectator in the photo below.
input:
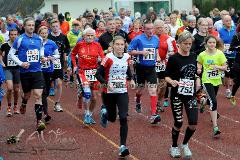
(126, 20)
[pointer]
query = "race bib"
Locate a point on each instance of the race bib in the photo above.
(33, 55)
(90, 75)
(186, 87)
(226, 49)
(213, 74)
(151, 55)
(57, 64)
(46, 64)
(10, 62)
(160, 67)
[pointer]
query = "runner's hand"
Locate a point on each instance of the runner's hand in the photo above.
(25, 65)
(174, 83)
(75, 69)
(145, 53)
(132, 84)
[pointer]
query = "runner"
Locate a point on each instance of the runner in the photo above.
(12, 74)
(51, 53)
(167, 47)
(88, 53)
(145, 47)
(213, 63)
(30, 52)
(236, 67)
(226, 34)
(64, 48)
(181, 74)
(113, 73)
(198, 43)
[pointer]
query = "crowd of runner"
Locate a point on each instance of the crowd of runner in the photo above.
(180, 59)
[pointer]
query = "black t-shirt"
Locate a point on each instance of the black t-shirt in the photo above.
(106, 38)
(198, 44)
(5, 48)
(62, 43)
(181, 67)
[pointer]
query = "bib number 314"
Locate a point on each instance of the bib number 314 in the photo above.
(186, 87)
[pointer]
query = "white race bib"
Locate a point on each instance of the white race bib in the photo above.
(151, 55)
(46, 64)
(160, 67)
(90, 75)
(33, 55)
(57, 64)
(10, 62)
(186, 87)
(213, 74)
(226, 49)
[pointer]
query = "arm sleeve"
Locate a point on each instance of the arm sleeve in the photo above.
(67, 46)
(170, 67)
(101, 74)
(129, 73)
(199, 59)
(235, 43)
(14, 57)
(132, 45)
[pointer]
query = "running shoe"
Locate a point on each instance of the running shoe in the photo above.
(23, 109)
(216, 131)
(9, 111)
(51, 92)
(87, 119)
(103, 115)
(40, 126)
(233, 100)
(228, 93)
(15, 110)
(138, 108)
(58, 108)
(123, 151)
(47, 119)
(159, 108)
(186, 151)
(165, 103)
(155, 119)
(175, 152)
(92, 121)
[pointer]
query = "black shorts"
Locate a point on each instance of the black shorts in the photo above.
(229, 72)
(146, 73)
(57, 73)
(31, 80)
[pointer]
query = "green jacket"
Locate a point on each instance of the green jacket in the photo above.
(72, 38)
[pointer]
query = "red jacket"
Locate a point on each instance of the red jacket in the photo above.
(88, 54)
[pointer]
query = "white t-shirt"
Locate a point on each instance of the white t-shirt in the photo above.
(126, 24)
(174, 30)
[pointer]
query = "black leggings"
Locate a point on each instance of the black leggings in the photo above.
(211, 92)
(111, 102)
(46, 89)
(236, 81)
(191, 109)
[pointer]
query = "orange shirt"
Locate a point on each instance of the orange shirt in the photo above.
(214, 33)
(65, 28)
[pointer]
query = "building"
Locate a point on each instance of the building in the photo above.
(77, 7)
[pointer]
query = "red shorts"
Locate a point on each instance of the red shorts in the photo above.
(87, 77)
